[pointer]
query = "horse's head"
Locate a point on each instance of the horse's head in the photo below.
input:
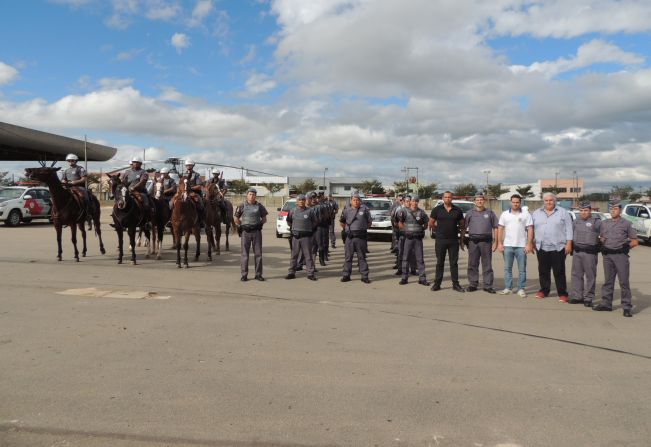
(158, 187)
(212, 191)
(182, 190)
(113, 181)
(44, 174)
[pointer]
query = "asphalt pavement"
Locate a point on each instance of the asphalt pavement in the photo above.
(99, 354)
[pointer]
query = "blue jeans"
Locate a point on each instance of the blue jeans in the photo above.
(518, 253)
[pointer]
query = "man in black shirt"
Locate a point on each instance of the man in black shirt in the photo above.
(447, 219)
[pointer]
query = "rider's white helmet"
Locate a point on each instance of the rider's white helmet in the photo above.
(136, 160)
(215, 170)
(165, 170)
(72, 157)
(189, 162)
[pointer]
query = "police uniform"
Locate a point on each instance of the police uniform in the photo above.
(334, 207)
(324, 216)
(251, 215)
(169, 185)
(480, 225)
(395, 233)
(415, 223)
(615, 235)
(585, 257)
(76, 173)
(302, 221)
(400, 241)
(356, 222)
(132, 177)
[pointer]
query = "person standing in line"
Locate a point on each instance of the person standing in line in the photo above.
(482, 242)
(413, 222)
(448, 220)
(250, 216)
(355, 221)
(334, 206)
(617, 236)
(301, 221)
(553, 234)
(515, 241)
(585, 256)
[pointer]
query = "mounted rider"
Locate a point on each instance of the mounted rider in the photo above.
(222, 186)
(74, 177)
(194, 186)
(168, 186)
(135, 178)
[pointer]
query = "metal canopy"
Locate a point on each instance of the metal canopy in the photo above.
(23, 144)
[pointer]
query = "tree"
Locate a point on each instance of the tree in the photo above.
(372, 187)
(5, 179)
(648, 192)
(465, 189)
(525, 191)
(93, 179)
(400, 187)
(595, 197)
(495, 190)
(239, 186)
(428, 191)
(273, 187)
(622, 191)
(635, 196)
(305, 187)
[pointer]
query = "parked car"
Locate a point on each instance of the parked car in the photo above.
(599, 215)
(379, 207)
(22, 204)
(640, 216)
(282, 229)
(465, 206)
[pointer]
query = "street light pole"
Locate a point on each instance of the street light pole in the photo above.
(486, 172)
(324, 174)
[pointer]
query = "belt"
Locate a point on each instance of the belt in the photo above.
(480, 238)
(591, 249)
(615, 251)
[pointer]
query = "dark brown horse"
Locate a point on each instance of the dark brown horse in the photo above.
(228, 221)
(213, 219)
(185, 221)
(68, 208)
(127, 215)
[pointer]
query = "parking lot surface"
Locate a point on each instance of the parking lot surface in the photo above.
(99, 354)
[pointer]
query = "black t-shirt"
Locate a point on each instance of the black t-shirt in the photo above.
(447, 223)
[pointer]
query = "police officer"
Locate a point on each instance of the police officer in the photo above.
(222, 185)
(194, 184)
(394, 223)
(398, 216)
(135, 178)
(617, 237)
(334, 207)
(75, 176)
(250, 216)
(302, 221)
(413, 222)
(169, 186)
(355, 220)
(450, 226)
(482, 242)
(585, 255)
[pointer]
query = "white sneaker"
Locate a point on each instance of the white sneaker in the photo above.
(521, 293)
(505, 292)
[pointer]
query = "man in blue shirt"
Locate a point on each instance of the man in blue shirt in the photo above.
(553, 234)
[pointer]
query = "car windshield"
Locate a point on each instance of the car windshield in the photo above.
(9, 194)
(288, 206)
(378, 205)
(465, 207)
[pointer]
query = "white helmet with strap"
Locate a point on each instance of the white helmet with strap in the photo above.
(165, 170)
(189, 162)
(215, 170)
(136, 160)
(70, 157)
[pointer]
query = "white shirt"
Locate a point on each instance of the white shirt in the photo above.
(515, 227)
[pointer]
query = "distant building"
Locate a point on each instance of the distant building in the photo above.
(565, 188)
(338, 186)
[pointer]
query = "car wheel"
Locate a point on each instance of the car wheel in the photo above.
(278, 235)
(27, 220)
(13, 219)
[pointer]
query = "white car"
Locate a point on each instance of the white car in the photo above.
(465, 206)
(639, 214)
(603, 216)
(282, 229)
(22, 204)
(379, 207)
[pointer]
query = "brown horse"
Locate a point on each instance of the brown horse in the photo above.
(127, 215)
(185, 221)
(68, 208)
(228, 221)
(163, 214)
(213, 218)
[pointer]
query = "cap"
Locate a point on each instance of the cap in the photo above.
(584, 205)
(415, 198)
(321, 193)
(615, 205)
(301, 197)
(407, 196)
(355, 195)
(71, 157)
(165, 170)
(479, 195)
(253, 190)
(311, 195)
(400, 196)
(189, 162)
(136, 160)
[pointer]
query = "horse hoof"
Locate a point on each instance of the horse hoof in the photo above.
(146, 256)
(102, 251)
(134, 263)
(159, 257)
(76, 259)
(178, 265)
(209, 258)
(120, 261)
(83, 255)
(186, 266)
(59, 258)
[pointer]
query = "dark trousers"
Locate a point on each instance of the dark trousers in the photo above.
(548, 262)
(351, 247)
(302, 250)
(451, 247)
(253, 238)
(331, 233)
(480, 251)
(413, 253)
(584, 275)
(616, 265)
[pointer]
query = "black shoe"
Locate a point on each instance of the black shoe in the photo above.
(413, 273)
(327, 258)
(322, 262)
(290, 276)
(398, 273)
(576, 301)
(627, 313)
(423, 282)
(458, 288)
(345, 278)
(259, 278)
(244, 278)
(333, 246)
(366, 280)
(403, 281)
(396, 266)
(602, 308)
(299, 268)
(436, 287)
(488, 290)
(471, 289)
(112, 225)
(311, 278)
(587, 303)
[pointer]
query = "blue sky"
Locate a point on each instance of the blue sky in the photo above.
(364, 87)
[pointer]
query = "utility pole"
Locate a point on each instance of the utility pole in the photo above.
(324, 174)
(486, 172)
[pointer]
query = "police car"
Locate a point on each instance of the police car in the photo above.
(639, 214)
(22, 204)
(282, 228)
(379, 208)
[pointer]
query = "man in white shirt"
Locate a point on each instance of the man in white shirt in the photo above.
(515, 240)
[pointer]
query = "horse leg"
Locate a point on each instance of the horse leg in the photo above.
(227, 246)
(177, 244)
(58, 228)
(82, 229)
(197, 238)
(185, 249)
(218, 237)
(209, 237)
(73, 231)
(161, 231)
(148, 236)
(120, 232)
(98, 232)
(132, 240)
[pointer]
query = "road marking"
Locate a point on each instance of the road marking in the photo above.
(121, 294)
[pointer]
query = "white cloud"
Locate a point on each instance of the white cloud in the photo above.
(180, 41)
(114, 83)
(201, 10)
(249, 56)
(162, 10)
(259, 83)
(129, 54)
(7, 73)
